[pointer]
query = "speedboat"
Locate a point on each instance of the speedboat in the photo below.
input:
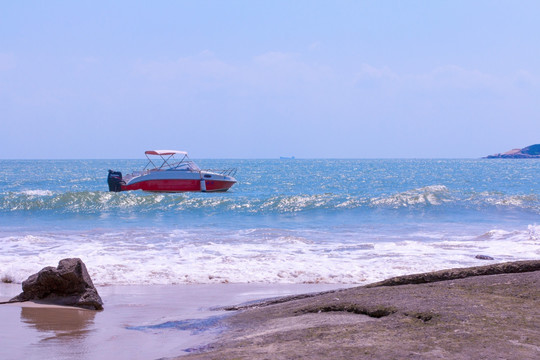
(176, 173)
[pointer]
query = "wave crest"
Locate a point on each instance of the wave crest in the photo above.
(91, 202)
(429, 195)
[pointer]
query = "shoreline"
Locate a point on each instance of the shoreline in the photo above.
(481, 311)
(131, 324)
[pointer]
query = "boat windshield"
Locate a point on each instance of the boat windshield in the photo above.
(185, 165)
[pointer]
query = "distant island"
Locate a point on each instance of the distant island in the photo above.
(529, 152)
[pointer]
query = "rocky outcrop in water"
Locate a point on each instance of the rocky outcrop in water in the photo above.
(529, 152)
(68, 284)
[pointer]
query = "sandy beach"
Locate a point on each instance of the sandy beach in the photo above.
(480, 312)
(126, 328)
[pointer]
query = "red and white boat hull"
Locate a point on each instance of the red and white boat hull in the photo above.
(179, 185)
(179, 181)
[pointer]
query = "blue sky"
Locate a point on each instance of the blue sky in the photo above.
(263, 79)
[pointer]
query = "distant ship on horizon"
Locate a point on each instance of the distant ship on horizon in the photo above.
(286, 157)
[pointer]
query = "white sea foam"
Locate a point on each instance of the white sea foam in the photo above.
(497, 199)
(150, 256)
(37, 192)
(429, 195)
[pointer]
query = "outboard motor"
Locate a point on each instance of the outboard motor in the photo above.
(115, 181)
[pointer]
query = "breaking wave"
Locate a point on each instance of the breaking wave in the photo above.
(424, 198)
(259, 255)
(429, 195)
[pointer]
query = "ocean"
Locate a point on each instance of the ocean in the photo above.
(288, 221)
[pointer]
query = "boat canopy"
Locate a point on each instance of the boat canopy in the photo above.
(169, 161)
(165, 152)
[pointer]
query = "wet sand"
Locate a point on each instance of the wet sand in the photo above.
(126, 328)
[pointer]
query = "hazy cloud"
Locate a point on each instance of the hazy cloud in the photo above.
(448, 77)
(315, 46)
(287, 69)
(524, 80)
(369, 71)
(203, 66)
(7, 61)
(274, 71)
(452, 76)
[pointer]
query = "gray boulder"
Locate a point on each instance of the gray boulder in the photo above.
(68, 284)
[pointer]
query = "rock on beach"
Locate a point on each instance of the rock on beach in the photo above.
(68, 284)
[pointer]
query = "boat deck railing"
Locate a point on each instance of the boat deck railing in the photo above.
(224, 172)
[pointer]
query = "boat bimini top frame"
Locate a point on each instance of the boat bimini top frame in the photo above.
(169, 161)
(185, 163)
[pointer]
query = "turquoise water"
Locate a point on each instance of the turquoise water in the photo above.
(335, 221)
